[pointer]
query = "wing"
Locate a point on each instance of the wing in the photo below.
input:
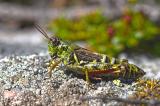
(83, 54)
(86, 55)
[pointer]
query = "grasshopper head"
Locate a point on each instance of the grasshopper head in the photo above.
(56, 46)
(53, 42)
(53, 45)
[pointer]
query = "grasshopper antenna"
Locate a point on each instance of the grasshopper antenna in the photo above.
(42, 31)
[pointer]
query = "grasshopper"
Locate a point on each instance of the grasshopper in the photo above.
(87, 63)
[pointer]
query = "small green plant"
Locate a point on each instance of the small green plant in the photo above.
(104, 36)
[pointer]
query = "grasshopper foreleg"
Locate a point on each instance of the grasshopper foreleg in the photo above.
(52, 66)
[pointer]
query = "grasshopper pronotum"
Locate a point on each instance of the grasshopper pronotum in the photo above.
(84, 62)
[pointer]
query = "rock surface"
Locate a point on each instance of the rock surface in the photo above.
(24, 79)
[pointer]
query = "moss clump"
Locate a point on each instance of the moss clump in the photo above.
(147, 89)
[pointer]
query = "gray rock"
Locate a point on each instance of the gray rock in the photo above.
(27, 75)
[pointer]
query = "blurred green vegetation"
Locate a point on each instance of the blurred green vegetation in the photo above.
(131, 31)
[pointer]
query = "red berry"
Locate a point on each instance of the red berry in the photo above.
(127, 19)
(110, 32)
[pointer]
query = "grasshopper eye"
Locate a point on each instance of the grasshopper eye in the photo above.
(55, 41)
